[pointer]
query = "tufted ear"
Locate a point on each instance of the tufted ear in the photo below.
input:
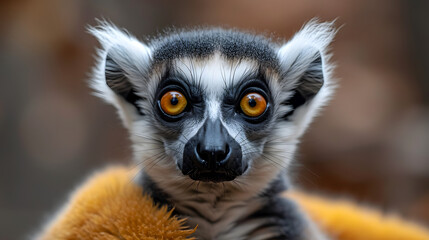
(120, 75)
(306, 80)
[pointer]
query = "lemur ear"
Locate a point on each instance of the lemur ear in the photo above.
(121, 71)
(306, 80)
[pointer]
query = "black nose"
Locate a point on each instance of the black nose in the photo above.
(212, 147)
(213, 154)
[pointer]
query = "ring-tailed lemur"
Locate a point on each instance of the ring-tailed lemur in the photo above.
(215, 116)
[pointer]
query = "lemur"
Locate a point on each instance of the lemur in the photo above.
(215, 116)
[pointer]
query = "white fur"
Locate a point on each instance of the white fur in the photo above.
(214, 73)
(300, 51)
(131, 54)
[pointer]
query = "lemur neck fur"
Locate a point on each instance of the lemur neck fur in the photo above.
(211, 194)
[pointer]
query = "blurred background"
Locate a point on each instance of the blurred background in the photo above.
(371, 144)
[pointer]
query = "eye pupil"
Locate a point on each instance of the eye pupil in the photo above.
(174, 101)
(252, 102)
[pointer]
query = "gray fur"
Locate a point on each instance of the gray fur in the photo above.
(204, 42)
(214, 65)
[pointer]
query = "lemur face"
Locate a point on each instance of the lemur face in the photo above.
(214, 114)
(214, 105)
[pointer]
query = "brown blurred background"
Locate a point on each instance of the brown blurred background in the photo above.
(371, 144)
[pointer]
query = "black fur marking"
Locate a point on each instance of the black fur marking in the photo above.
(308, 86)
(194, 108)
(202, 43)
(278, 211)
(295, 101)
(150, 188)
(231, 105)
(281, 213)
(119, 83)
(312, 80)
(161, 198)
(278, 185)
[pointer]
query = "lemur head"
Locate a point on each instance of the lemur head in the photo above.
(214, 105)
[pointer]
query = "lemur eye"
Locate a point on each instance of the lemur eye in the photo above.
(173, 103)
(253, 104)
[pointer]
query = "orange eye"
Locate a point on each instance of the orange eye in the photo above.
(253, 104)
(173, 103)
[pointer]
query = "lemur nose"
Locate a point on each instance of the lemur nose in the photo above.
(213, 154)
(212, 148)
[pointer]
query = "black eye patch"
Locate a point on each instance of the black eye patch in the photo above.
(192, 94)
(234, 95)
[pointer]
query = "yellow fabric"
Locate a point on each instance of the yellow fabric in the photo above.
(111, 207)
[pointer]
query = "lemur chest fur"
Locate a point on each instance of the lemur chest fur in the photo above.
(210, 208)
(220, 214)
(219, 219)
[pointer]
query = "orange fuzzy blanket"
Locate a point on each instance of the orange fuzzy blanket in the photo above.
(110, 206)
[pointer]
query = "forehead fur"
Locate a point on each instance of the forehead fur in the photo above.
(215, 73)
(201, 43)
